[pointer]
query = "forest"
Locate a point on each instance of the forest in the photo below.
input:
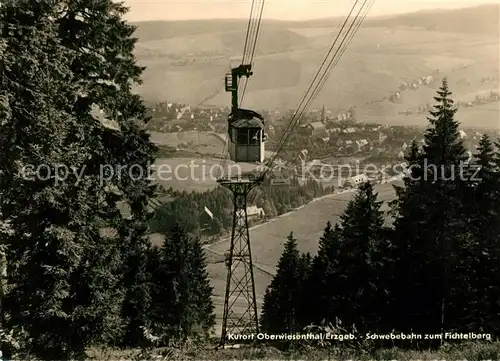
(66, 286)
(188, 207)
(435, 270)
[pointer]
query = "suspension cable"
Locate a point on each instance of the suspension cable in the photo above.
(335, 60)
(254, 46)
(249, 27)
(251, 39)
(307, 93)
(292, 120)
(353, 33)
(303, 105)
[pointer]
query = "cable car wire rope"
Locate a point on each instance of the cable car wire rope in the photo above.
(325, 73)
(356, 24)
(301, 105)
(292, 122)
(335, 60)
(248, 51)
(254, 46)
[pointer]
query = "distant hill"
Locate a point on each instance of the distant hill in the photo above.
(156, 30)
(186, 60)
(478, 19)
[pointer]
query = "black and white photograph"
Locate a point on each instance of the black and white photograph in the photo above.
(250, 180)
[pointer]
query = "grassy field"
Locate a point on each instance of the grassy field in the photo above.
(486, 116)
(267, 240)
(204, 142)
(199, 172)
(383, 54)
(196, 174)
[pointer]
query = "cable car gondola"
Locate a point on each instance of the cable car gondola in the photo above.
(245, 127)
(246, 136)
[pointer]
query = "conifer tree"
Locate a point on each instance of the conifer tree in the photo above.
(362, 289)
(182, 306)
(485, 254)
(104, 69)
(282, 299)
(443, 145)
(321, 287)
(136, 283)
(302, 318)
(74, 55)
(62, 271)
(430, 233)
(200, 293)
(170, 285)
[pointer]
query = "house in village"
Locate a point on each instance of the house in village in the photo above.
(317, 128)
(361, 144)
(255, 213)
(381, 137)
(356, 180)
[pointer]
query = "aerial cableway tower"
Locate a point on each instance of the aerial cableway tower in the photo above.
(245, 129)
(246, 138)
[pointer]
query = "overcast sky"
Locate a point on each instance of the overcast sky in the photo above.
(141, 10)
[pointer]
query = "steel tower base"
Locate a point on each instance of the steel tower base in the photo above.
(240, 305)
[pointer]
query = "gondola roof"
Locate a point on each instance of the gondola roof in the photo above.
(246, 118)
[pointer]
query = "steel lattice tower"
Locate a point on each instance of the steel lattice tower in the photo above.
(240, 286)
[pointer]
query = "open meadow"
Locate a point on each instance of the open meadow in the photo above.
(196, 173)
(200, 165)
(199, 142)
(484, 116)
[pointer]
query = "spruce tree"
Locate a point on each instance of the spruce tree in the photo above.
(282, 299)
(430, 232)
(136, 283)
(104, 69)
(182, 306)
(63, 285)
(362, 266)
(443, 145)
(170, 287)
(201, 291)
(60, 60)
(321, 287)
(302, 318)
(485, 254)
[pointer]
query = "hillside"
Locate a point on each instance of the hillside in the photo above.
(268, 239)
(186, 60)
(480, 19)
(157, 30)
